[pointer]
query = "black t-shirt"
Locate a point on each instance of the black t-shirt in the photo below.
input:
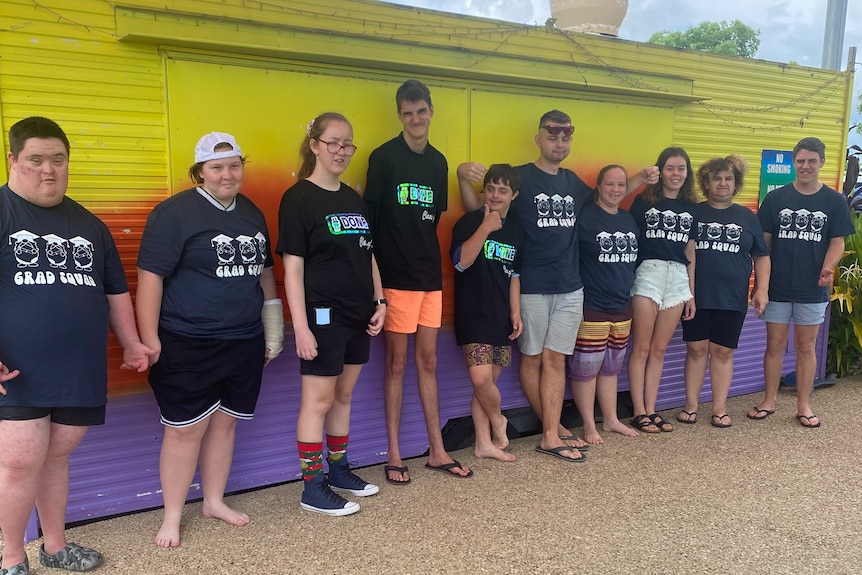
(802, 226)
(57, 265)
(727, 241)
(665, 228)
(482, 311)
(330, 231)
(211, 260)
(547, 207)
(608, 253)
(406, 193)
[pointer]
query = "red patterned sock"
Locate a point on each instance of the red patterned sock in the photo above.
(337, 446)
(310, 459)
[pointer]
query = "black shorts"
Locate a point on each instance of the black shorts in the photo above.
(337, 346)
(76, 416)
(719, 326)
(195, 377)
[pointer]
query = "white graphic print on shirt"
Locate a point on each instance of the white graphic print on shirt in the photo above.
(801, 224)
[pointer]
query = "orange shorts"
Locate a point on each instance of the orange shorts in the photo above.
(407, 310)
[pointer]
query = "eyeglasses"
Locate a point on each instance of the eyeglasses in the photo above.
(335, 147)
(557, 130)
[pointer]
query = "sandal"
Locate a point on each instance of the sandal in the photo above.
(660, 422)
(691, 415)
(718, 421)
(805, 421)
(643, 423)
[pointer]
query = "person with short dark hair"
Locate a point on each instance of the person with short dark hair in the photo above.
(207, 302)
(336, 304)
(729, 238)
(486, 252)
(406, 192)
(804, 224)
(63, 283)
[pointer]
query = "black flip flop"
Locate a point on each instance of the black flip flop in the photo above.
(395, 468)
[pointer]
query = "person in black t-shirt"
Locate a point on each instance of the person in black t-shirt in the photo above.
(62, 286)
(608, 238)
(666, 214)
(487, 251)
(336, 304)
(729, 237)
(207, 302)
(804, 224)
(406, 193)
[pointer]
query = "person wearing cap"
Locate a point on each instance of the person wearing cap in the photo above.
(62, 286)
(552, 293)
(207, 303)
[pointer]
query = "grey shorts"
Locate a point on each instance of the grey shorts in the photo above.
(800, 313)
(665, 283)
(551, 322)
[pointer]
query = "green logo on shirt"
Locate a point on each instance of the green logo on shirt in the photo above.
(415, 195)
(495, 250)
(339, 224)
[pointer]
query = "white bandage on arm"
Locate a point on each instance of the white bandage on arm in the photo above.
(272, 316)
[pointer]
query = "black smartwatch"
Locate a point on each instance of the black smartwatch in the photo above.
(381, 301)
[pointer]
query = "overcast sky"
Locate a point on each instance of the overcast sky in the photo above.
(790, 30)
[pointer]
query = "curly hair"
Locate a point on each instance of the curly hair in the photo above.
(711, 167)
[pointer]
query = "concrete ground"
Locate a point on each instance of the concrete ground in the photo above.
(760, 497)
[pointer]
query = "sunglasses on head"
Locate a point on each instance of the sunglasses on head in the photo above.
(557, 130)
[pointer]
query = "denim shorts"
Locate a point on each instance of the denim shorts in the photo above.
(800, 313)
(665, 283)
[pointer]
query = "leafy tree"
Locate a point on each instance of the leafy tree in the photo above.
(734, 39)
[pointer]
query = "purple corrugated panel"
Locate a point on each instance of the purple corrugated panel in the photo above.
(116, 468)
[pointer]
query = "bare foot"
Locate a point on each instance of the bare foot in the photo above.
(619, 427)
(573, 441)
(227, 514)
(592, 436)
(501, 439)
(168, 535)
(492, 452)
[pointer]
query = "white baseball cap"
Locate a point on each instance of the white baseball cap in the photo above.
(205, 148)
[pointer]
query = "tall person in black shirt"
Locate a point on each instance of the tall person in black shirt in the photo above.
(804, 224)
(406, 193)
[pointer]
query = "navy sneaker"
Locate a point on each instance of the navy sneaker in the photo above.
(319, 498)
(343, 480)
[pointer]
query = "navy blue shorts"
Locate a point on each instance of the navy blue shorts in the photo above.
(195, 377)
(77, 416)
(719, 326)
(337, 346)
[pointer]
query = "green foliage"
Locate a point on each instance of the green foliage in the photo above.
(734, 39)
(844, 355)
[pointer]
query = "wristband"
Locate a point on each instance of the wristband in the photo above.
(381, 301)
(272, 316)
